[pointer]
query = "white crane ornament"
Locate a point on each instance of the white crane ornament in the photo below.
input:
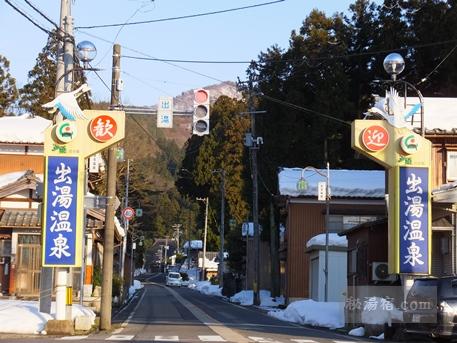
(390, 108)
(67, 105)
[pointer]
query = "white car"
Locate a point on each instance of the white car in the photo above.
(174, 279)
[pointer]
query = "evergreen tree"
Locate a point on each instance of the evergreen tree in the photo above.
(8, 91)
(40, 88)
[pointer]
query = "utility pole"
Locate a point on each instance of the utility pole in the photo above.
(204, 236)
(108, 249)
(166, 253)
(255, 201)
(126, 226)
(221, 257)
(177, 228)
(64, 82)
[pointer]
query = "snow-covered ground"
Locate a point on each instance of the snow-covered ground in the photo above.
(205, 287)
(136, 285)
(246, 298)
(24, 317)
(310, 312)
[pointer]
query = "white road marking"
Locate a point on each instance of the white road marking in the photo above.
(120, 338)
(124, 324)
(211, 339)
(118, 331)
(166, 338)
(303, 340)
(343, 341)
(73, 338)
(263, 340)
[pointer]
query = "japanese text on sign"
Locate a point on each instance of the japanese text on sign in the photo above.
(414, 220)
(103, 128)
(60, 230)
(375, 138)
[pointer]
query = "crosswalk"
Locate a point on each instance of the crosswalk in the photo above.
(206, 338)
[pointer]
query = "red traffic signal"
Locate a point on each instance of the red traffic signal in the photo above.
(200, 122)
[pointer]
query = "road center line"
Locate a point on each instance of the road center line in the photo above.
(225, 332)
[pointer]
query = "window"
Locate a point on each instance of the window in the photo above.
(451, 166)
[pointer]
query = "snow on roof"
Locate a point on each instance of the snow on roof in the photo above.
(343, 183)
(196, 244)
(23, 129)
(439, 113)
(333, 240)
(9, 178)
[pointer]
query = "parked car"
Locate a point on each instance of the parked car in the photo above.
(431, 307)
(184, 279)
(174, 279)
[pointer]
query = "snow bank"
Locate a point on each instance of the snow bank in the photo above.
(246, 298)
(358, 332)
(205, 287)
(139, 271)
(380, 337)
(333, 240)
(24, 317)
(378, 311)
(310, 312)
(136, 285)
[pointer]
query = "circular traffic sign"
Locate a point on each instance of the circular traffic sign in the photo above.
(128, 213)
(375, 138)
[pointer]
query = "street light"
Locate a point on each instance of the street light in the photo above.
(302, 185)
(394, 64)
(221, 252)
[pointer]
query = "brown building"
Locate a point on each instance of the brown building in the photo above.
(356, 197)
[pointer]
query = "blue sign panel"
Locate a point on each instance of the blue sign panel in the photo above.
(61, 211)
(414, 220)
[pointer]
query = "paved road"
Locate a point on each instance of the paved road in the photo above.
(163, 314)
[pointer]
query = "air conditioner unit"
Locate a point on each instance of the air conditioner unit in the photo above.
(380, 272)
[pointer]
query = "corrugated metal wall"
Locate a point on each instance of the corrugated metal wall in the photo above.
(304, 222)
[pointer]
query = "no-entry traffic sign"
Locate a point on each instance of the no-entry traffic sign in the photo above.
(128, 213)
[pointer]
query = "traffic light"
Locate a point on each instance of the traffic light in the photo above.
(200, 124)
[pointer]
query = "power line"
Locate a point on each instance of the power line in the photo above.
(27, 17)
(439, 64)
(304, 109)
(42, 14)
(185, 61)
(180, 17)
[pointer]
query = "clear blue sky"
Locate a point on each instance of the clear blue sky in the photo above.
(233, 36)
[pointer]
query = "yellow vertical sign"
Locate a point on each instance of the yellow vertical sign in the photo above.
(406, 157)
(67, 145)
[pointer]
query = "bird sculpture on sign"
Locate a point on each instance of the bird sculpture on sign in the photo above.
(392, 109)
(67, 105)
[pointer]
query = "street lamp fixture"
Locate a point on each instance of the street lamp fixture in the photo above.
(86, 52)
(302, 185)
(394, 64)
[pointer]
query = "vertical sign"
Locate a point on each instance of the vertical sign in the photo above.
(165, 112)
(60, 222)
(414, 220)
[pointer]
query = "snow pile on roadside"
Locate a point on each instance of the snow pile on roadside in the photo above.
(380, 337)
(136, 286)
(139, 271)
(205, 287)
(358, 332)
(310, 312)
(24, 317)
(246, 298)
(379, 311)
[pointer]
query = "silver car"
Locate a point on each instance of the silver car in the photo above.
(174, 279)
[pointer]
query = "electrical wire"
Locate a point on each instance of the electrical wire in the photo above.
(146, 83)
(184, 61)
(42, 14)
(145, 54)
(28, 18)
(103, 81)
(439, 64)
(304, 109)
(180, 17)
